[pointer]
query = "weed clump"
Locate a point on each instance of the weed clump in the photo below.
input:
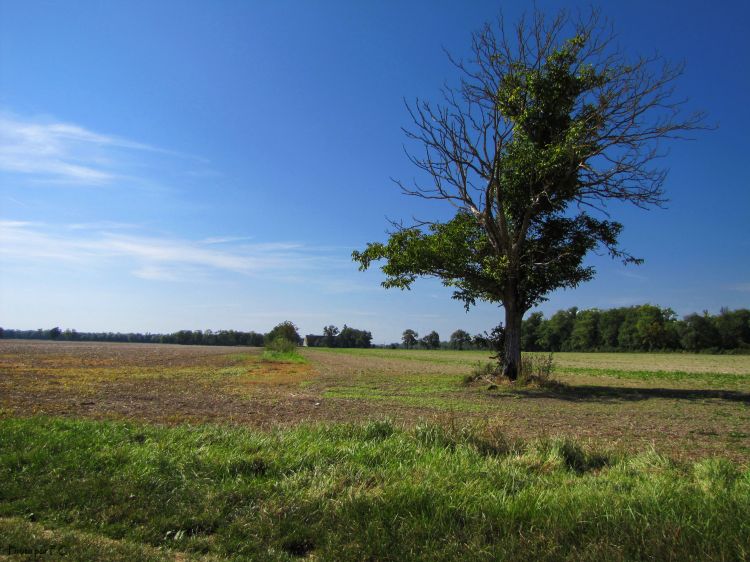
(281, 345)
(282, 350)
(487, 440)
(538, 370)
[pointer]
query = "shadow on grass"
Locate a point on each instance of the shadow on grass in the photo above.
(628, 394)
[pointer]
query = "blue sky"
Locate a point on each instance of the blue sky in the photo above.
(168, 165)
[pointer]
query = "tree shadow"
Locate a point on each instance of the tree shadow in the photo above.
(631, 394)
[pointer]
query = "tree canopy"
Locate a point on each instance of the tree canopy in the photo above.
(285, 330)
(549, 124)
(409, 338)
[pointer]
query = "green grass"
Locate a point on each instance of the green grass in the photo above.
(282, 356)
(355, 492)
(437, 391)
(712, 380)
(441, 356)
(410, 398)
(645, 362)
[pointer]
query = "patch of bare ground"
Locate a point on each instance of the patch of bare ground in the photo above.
(194, 384)
(157, 383)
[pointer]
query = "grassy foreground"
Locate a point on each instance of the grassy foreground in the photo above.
(117, 490)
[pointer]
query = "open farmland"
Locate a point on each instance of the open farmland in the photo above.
(106, 454)
(686, 406)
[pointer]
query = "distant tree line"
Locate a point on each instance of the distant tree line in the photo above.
(459, 340)
(410, 339)
(348, 337)
(636, 328)
(184, 337)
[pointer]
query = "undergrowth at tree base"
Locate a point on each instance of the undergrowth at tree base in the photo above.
(535, 371)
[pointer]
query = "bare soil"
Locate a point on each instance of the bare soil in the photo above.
(684, 417)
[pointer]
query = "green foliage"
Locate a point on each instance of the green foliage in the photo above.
(286, 330)
(431, 340)
(329, 336)
(281, 345)
(537, 370)
(538, 179)
(54, 333)
(541, 131)
(460, 253)
(409, 338)
(355, 492)
(351, 337)
(282, 357)
(698, 332)
(183, 337)
(347, 337)
(531, 333)
(558, 329)
(733, 327)
(585, 332)
(460, 339)
(636, 328)
(282, 350)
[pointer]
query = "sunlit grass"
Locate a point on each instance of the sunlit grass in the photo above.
(356, 492)
(712, 380)
(283, 356)
(680, 362)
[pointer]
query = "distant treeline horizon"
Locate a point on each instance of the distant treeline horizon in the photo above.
(636, 328)
(347, 337)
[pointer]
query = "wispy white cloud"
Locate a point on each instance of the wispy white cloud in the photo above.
(224, 239)
(153, 257)
(56, 152)
(742, 287)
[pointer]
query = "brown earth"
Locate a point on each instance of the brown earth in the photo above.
(178, 384)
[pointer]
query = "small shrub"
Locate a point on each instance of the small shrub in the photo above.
(282, 350)
(537, 370)
(281, 345)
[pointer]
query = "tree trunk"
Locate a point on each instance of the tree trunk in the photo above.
(512, 350)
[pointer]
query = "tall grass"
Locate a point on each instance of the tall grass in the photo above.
(282, 350)
(362, 492)
(535, 370)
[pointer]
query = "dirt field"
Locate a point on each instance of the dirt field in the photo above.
(688, 406)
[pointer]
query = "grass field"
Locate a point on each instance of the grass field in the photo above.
(168, 452)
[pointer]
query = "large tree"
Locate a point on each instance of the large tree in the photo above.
(550, 123)
(459, 339)
(409, 337)
(286, 330)
(329, 335)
